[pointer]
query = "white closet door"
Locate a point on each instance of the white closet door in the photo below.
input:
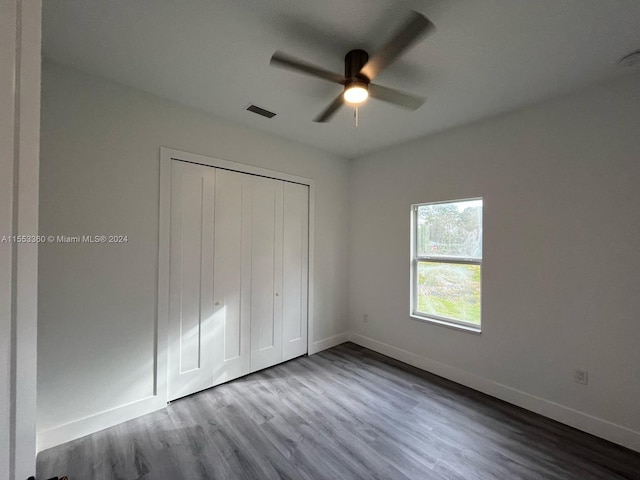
(295, 270)
(238, 275)
(266, 273)
(191, 328)
(232, 278)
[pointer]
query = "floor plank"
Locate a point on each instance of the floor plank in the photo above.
(345, 413)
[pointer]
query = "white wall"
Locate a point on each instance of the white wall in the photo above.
(100, 175)
(561, 265)
(19, 143)
(562, 249)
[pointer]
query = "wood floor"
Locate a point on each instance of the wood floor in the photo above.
(345, 413)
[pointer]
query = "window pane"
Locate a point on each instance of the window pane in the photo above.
(449, 290)
(450, 229)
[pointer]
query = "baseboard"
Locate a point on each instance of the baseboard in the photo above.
(574, 418)
(94, 423)
(320, 345)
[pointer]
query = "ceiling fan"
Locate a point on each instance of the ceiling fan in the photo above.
(360, 70)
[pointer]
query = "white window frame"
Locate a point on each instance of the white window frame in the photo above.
(415, 259)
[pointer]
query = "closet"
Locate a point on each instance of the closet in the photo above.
(238, 275)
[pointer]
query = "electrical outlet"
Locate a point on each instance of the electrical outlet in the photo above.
(365, 318)
(581, 376)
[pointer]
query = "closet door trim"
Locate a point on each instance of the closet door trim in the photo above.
(167, 155)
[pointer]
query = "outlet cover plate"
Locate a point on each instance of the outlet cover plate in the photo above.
(582, 377)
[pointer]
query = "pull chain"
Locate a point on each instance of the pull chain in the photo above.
(355, 115)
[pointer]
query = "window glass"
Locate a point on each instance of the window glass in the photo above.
(449, 290)
(450, 229)
(447, 262)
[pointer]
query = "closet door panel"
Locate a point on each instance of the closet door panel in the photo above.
(238, 275)
(191, 279)
(295, 269)
(266, 273)
(232, 276)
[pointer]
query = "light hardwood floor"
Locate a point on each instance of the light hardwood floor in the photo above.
(345, 413)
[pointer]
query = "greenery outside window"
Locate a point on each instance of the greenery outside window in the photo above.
(446, 250)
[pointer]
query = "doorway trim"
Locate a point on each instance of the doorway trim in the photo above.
(20, 57)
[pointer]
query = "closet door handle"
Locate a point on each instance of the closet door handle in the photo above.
(277, 294)
(218, 303)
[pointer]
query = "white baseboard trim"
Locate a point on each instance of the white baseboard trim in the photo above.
(574, 418)
(94, 423)
(320, 345)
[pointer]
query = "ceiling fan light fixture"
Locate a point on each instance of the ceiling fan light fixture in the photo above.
(356, 92)
(360, 70)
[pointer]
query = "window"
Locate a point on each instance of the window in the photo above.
(446, 250)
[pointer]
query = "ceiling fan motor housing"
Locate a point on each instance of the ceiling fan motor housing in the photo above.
(353, 63)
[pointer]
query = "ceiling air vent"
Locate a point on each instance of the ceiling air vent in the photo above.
(261, 111)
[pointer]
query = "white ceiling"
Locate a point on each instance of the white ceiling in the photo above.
(486, 57)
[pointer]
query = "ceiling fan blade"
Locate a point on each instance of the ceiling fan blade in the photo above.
(280, 59)
(391, 95)
(330, 110)
(417, 26)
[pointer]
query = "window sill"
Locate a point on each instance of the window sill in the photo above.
(444, 323)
